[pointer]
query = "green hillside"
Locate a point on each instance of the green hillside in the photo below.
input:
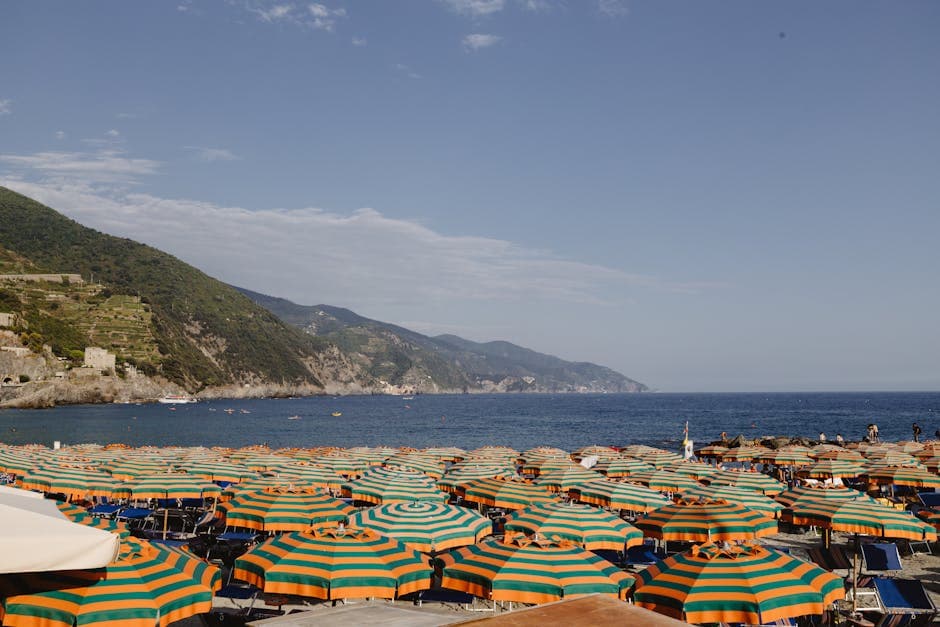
(205, 332)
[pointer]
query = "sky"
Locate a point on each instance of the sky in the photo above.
(705, 196)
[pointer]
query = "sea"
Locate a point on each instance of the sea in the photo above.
(521, 421)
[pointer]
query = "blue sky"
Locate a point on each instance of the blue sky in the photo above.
(705, 196)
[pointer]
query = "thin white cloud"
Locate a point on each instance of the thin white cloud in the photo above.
(406, 70)
(113, 133)
(210, 155)
(6, 106)
(126, 116)
(324, 18)
(359, 41)
(613, 8)
(475, 8)
(536, 5)
(274, 13)
(478, 41)
(60, 135)
(103, 166)
(314, 15)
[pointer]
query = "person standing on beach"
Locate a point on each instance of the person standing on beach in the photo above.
(822, 437)
(874, 433)
(840, 440)
(915, 428)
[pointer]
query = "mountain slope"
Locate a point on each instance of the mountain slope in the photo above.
(207, 333)
(407, 359)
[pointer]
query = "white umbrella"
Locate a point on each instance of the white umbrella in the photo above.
(37, 537)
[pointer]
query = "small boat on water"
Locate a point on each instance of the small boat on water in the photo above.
(176, 399)
(293, 417)
(337, 414)
(407, 398)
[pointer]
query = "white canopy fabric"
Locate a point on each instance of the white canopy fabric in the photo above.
(35, 536)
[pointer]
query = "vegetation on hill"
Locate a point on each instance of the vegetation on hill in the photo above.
(206, 333)
(406, 358)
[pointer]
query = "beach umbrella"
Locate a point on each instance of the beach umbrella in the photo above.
(931, 516)
(311, 475)
(890, 457)
(145, 586)
(218, 471)
(335, 564)
(170, 486)
(586, 526)
(664, 480)
(860, 517)
(563, 479)
(750, 499)
(735, 584)
(620, 495)
(797, 496)
(135, 468)
(72, 482)
(829, 451)
(541, 465)
(658, 458)
(530, 571)
(426, 527)
(506, 493)
(279, 509)
(749, 479)
(461, 474)
(695, 470)
(705, 520)
(382, 485)
(715, 451)
(904, 475)
(446, 453)
(543, 452)
(286, 482)
(601, 452)
(830, 468)
(620, 467)
(788, 456)
(343, 464)
(744, 453)
(430, 465)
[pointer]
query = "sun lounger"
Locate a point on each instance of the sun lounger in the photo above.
(644, 554)
(831, 559)
(905, 602)
(442, 595)
(881, 558)
(105, 510)
(929, 499)
(614, 557)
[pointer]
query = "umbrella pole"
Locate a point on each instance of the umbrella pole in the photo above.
(166, 516)
(855, 576)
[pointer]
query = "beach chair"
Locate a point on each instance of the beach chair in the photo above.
(832, 559)
(105, 510)
(905, 602)
(881, 558)
(443, 595)
(644, 554)
(929, 499)
(614, 557)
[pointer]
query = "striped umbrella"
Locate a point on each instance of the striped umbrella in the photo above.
(218, 471)
(832, 468)
(312, 475)
(342, 464)
(617, 495)
(695, 470)
(563, 479)
(421, 462)
(931, 516)
(335, 564)
(446, 453)
(789, 456)
(744, 453)
(131, 469)
(705, 520)
(286, 482)
(835, 452)
(749, 479)
(527, 571)
(426, 527)
(904, 475)
(621, 466)
(170, 486)
(461, 474)
(542, 465)
(603, 452)
(381, 485)
(73, 482)
(664, 480)
(506, 493)
(736, 584)
(795, 497)
(278, 509)
(144, 587)
(658, 458)
(715, 451)
(750, 499)
(586, 526)
(859, 517)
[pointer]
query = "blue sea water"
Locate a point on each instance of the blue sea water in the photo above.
(469, 421)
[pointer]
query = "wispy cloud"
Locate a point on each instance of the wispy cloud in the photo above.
(478, 41)
(359, 41)
(60, 135)
(406, 70)
(103, 166)
(475, 8)
(210, 155)
(613, 8)
(314, 15)
(6, 106)
(126, 116)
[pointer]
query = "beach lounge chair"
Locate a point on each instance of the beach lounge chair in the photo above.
(832, 559)
(905, 602)
(644, 554)
(105, 510)
(929, 499)
(614, 557)
(443, 595)
(881, 558)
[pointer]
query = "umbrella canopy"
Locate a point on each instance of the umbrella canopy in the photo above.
(859, 517)
(749, 479)
(790, 456)
(424, 526)
(463, 473)
(278, 509)
(620, 466)
(712, 451)
(72, 482)
(704, 520)
(146, 586)
(664, 480)
(570, 476)
(744, 453)
(171, 486)
(904, 475)
(335, 564)
(586, 526)
(750, 499)
(505, 493)
(431, 465)
(739, 584)
(832, 468)
(795, 497)
(618, 495)
(311, 474)
(218, 471)
(381, 485)
(527, 571)
(287, 482)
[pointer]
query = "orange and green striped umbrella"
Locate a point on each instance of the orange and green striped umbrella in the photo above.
(131, 469)
(381, 485)
(286, 482)
(695, 470)
(659, 458)
(904, 475)
(446, 453)
(313, 475)
(171, 486)
(146, 586)
(706, 520)
(506, 493)
(716, 451)
(621, 466)
(72, 482)
(424, 526)
(738, 584)
(588, 527)
(218, 471)
(563, 479)
(430, 465)
(278, 509)
(750, 499)
(618, 495)
(526, 571)
(335, 564)
(794, 497)
(931, 516)
(749, 479)
(836, 452)
(789, 456)
(856, 516)
(664, 480)
(602, 452)
(744, 453)
(832, 468)
(541, 465)
(463, 473)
